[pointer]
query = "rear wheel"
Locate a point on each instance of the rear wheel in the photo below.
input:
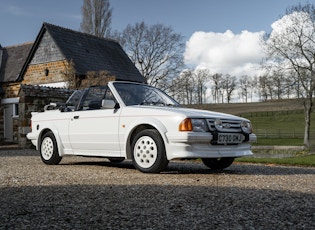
(218, 163)
(49, 150)
(148, 152)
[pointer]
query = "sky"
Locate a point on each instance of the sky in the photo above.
(221, 35)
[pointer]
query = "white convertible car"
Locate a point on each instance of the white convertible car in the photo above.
(125, 120)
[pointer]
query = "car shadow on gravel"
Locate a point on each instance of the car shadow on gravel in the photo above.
(154, 207)
(193, 167)
(13, 152)
(174, 167)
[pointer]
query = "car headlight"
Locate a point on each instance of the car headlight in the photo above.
(218, 124)
(195, 125)
(199, 125)
(246, 127)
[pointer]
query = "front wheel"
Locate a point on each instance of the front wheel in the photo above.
(218, 163)
(49, 150)
(148, 152)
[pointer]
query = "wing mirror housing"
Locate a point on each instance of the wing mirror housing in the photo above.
(109, 104)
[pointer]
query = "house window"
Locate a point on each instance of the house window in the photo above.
(15, 110)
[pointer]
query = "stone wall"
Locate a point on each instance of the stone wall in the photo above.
(45, 73)
(35, 75)
(33, 99)
(11, 89)
(47, 66)
(1, 123)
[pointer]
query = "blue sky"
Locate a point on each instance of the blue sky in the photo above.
(223, 36)
(20, 20)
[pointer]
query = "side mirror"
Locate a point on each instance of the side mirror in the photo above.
(108, 104)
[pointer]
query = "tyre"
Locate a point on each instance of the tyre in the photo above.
(49, 150)
(148, 152)
(218, 163)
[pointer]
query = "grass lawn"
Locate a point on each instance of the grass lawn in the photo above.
(308, 160)
(279, 141)
(280, 128)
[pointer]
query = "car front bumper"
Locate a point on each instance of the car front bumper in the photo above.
(192, 145)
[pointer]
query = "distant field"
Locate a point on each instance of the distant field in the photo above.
(275, 122)
(243, 108)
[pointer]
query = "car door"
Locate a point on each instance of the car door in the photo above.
(92, 129)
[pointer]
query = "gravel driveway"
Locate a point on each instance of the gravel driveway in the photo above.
(91, 193)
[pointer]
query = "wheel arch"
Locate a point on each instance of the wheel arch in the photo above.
(136, 128)
(55, 132)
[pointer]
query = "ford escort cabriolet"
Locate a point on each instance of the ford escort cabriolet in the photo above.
(125, 120)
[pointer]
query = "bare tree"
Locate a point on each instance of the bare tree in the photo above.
(97, 16)
(96, 78)
(292, 45)
(155, 50)
(216, 87)
(183, 87)
(70, 76)
(92, 78)
(229, 84)
(264, 88)
(253, 82)
(245, 87)
(279, 80)
(202, 76)
(297, 86)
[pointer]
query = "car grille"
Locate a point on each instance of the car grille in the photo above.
(230, 126)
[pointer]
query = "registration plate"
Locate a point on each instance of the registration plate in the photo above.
(230, 138)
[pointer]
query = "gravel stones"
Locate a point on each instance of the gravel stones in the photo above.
(92, 193)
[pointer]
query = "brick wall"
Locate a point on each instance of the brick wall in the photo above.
(36, 73)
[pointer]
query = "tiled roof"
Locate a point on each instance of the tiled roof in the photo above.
(13, 58)
(91, 53)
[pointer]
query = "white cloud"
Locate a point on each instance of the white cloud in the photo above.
(285, 24)
(226, 53)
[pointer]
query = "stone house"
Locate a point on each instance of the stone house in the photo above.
(34, 74)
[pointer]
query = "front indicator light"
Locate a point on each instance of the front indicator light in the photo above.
(195, 125)
(186, 125)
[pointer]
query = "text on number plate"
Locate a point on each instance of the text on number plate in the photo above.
(230, 138)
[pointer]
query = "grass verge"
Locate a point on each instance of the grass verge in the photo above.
(279, 141)
(308, 160)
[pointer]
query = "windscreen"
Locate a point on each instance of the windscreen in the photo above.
(138, 94)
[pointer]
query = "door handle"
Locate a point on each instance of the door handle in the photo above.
(76, 117)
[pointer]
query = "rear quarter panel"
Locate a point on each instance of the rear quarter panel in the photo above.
(54, 121)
